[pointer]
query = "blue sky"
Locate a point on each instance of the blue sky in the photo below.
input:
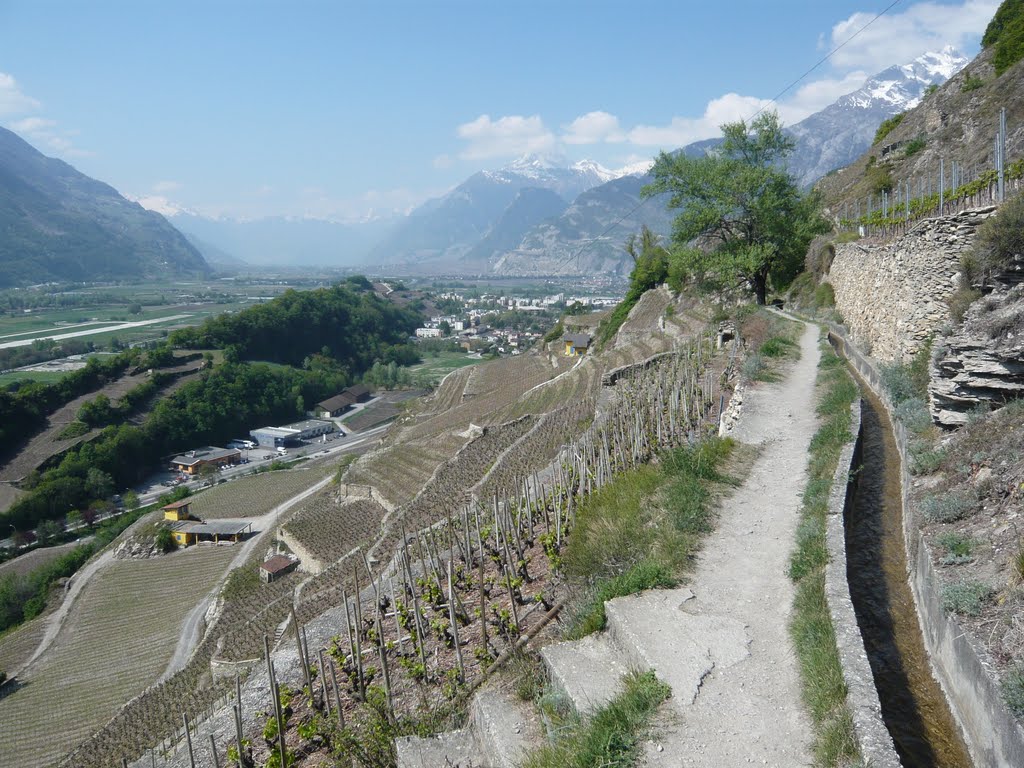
(343, 110)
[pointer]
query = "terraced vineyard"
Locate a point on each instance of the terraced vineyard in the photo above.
(253, 496)
(400, 471)
(328, 528)
(119, 637)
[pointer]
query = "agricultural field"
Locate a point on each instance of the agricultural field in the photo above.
(37, 557)
(118, 638)
(329, 528)
(436, 368)
(399, 472)
(254, 496)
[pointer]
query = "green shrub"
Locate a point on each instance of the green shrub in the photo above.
(947, 507)
(887, 126)
(824, 296)
(164, 541)
(971, 83)
(898, 382)
(914, 146)
(1000, 238)
(914, 415)
(960, 301)
(955, 544)
(925, 458)
(966, 596)
(879, 179)
(753, 367)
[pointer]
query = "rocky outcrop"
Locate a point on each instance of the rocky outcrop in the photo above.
(982, 364)
(892, 296)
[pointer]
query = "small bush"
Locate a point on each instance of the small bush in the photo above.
(1013, 689)
(947, 507)
(824, 296)
(898, 382)
(753, 367)
(1000, 238)
(971, 83)
(914, 146)
(924, 458)
(966, 597)
(959, 302)
(956, 544)
(914, 415)
(164, 541)
(887, 126)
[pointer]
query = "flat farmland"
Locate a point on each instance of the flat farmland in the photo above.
(256, 495)
(117, 639)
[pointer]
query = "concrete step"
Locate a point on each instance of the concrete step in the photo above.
(454, 749)
(500, 732)
(505, 728)
(655, 631)
(589, 671)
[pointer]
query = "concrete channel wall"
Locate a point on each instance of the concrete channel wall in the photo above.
(963, 669)
(873, 739)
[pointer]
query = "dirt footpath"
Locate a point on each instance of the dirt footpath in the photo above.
(748, 711)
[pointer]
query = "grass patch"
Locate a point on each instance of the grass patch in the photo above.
(1013, 690)
(642, 530)
(611, 738)
(822, 684)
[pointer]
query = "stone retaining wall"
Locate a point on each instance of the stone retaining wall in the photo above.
(892, 295)
(963, 668)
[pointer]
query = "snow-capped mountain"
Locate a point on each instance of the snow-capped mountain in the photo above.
(838, 134)
(445, 229)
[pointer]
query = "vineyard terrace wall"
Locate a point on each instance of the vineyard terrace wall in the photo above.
(892, 295)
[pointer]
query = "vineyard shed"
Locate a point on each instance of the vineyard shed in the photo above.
(576, 344)
(188, 532)
(276, 567)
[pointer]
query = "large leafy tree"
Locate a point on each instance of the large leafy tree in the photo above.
(742, 217)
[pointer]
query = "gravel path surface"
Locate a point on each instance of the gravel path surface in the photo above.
(749, 712)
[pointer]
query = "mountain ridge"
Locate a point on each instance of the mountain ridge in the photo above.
(61, 225)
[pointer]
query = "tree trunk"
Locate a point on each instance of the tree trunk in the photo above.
(761, 288)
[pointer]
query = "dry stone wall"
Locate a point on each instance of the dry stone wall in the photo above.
(892, 295)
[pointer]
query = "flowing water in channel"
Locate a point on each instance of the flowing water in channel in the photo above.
(913, 705)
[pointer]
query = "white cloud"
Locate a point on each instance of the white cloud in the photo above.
(505, 137)
(896, 38)
(683, 130)
(12, 100)
(166, 186)
(593, 128)
(32, 124)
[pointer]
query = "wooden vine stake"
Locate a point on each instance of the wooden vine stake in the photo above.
(455, 625)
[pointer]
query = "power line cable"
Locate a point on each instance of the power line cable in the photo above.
(771, 101)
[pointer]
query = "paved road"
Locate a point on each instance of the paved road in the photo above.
(90, 331)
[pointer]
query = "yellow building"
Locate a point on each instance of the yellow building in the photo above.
(187, 530)
(576, 344)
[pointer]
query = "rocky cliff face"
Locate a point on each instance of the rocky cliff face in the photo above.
(892, 295)
(982, 363)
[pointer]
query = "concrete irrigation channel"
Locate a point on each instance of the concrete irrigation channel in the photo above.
(914, 707)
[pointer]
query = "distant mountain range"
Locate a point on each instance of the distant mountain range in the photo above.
(837, 135)
(535, 216)
(60, 225)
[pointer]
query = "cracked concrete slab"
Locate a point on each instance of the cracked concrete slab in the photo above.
(589, 671)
